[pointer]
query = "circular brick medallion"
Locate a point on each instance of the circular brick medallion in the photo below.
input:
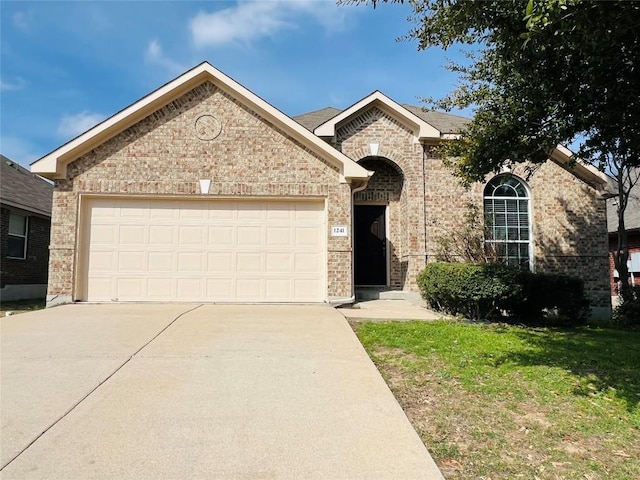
(207, 127)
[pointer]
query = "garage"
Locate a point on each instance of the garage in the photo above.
(218, 250)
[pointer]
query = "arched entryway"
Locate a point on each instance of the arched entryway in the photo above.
(378, 219)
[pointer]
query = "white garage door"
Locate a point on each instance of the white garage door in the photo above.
(214, 250)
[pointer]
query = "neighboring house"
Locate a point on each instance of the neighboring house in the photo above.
(202, 191)
(632, 225)
(25, 224)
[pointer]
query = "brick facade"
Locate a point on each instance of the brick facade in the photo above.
(426, 201)
(162, 155)
(33, 269)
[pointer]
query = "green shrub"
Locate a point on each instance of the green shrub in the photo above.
(547, 297)
(627, 314)
(476, 291)
(489, 291)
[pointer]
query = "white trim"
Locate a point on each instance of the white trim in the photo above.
(422, 130)
(53, 165)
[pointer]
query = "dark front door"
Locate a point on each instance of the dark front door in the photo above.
(370, 245)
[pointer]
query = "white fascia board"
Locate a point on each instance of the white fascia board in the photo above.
(422, 129)
(53, 165)
(581, 169)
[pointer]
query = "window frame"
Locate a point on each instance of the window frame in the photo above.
(489, 194)
(24, 236)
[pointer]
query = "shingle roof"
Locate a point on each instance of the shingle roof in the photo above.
(311, 120)
(631, 214)
(22, 189)
(445, 122)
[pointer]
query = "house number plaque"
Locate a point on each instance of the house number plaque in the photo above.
(338, 230)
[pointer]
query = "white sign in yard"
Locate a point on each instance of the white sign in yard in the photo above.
(338, 230)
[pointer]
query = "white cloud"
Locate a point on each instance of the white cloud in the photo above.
(18, 84)
(74, 125)
(253, 19)
(155, 55)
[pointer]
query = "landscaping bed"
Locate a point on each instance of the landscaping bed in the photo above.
(494, 401)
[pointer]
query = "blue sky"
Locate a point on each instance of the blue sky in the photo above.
(65, 66)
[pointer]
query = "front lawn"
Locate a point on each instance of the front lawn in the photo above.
(498, 401)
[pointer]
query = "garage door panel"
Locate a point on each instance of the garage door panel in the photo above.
(221, 262)
(279, 236)
(250, 236)
(307, 262)
(160, 289)
(158, 261)
(221, 289)
(307, 236)
(249, 289)
(278, 288)
(132, 261)
(191, 235)
(214, 250)
(130, 288)
(132, 234)
(189, 288)
(222, 235)
(104, 234)
(191, 262)
(247, 211)
(101, 288)
(249, 262)
(162, 235)
(130, 212)
(102, 260)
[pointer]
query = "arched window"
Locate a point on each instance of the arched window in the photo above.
(506, 211)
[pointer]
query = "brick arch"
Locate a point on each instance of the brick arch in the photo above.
(385, 153)
(386, 183)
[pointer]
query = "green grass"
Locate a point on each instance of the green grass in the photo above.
(500, 401)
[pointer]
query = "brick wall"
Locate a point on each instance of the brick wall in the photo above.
(32, 270)
(568, 223)
(162, 155)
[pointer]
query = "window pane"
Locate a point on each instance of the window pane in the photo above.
(17, 224)
(15, 247)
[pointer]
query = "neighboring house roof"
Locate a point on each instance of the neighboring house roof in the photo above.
(22, 189)
(631, 214)
(54, 164)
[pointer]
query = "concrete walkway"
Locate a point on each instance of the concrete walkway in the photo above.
(187, 391)
(389, 310)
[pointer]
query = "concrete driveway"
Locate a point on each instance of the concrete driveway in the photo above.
(190, 392)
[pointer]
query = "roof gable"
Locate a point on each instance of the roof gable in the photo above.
(54, 164)
(422, 130)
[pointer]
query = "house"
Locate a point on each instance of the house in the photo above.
(632, 225)
(202, 191)
(25, 224)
